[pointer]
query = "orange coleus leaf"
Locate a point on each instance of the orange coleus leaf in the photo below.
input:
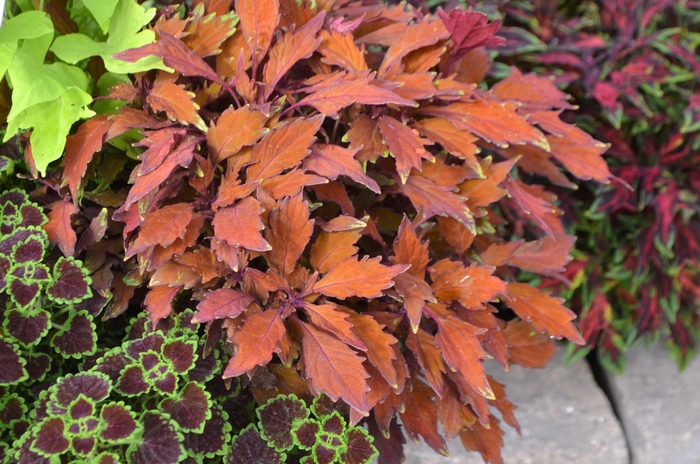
(334, 368)
(162, 227)
(235, 129)
(454, 415)
(256, 341)
(472, 286)
(415, 292)
(458, 142)
(327, 318)
(436, 200)
(420, 416)
(175, 274)
(487, 441)
(364, 135)
(546, 312)
(159, 144)
(291, 183)
(409, 249)
(283, 148)
(240, 225)
(341, 90)
(177, 103)
(259, 20)
(221, 303)
(422, 34)
(533, 92)
(365, 278)
(463, 352)
(289, 233)
(456, 234)
(580, 153)
(159, 302)
(206, 33)
(495, 122)
(294, 46)
(417, 86)
(378, 343)
(205, 262)
(335, 245)
(543, 256)
(526, 346)
(504, 406)
(59, 229)
(80, 149)
(429, 357)
(483, 192)
(332, 161)
(340, 50)
(534, 207)
(405, 145)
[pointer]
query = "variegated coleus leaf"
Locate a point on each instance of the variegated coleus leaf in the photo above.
(12, 369)
(71, 283)
(277, 418)
(248, 446)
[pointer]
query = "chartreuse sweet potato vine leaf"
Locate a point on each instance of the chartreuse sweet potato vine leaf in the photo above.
(49, 97)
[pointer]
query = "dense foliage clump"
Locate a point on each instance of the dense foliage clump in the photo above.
(632, 68)
(312, 210)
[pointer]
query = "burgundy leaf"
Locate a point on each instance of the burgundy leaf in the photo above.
(214, 439)
(93, 385)
(11, 365)
(159, 443)
(190, 409)
(277, 418)
(181, 355)
(50, 438)
(27, 328)
(78, 338)
(250, 447)
(71, 284)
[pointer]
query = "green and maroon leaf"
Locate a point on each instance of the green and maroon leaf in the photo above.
(31, 215)
(360, 449)
(167, 384)
(322, 452)
(181, 355)
(81, 408)
(249, 446)
(77, 337)
(190, 409)
(38, 364)
(11, 365)
(50, 437)
(27, 328)
(277, 418)
(151, 342)
(12, 408)
(23, 292)
(8, 242)
(334, 424)
(83, 446)
(133, 381)
(118, 423)
(160, 442)
(93, 385)
(304, 433)
(213, 440)
(204, 367)
(5, 265)
(71, 283)
(30, 250)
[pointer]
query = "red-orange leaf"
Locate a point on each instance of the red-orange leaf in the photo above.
(333, 368)
(177, 103)
(378, 343)
(527, 347)
(204, 262)
(330, 248)
(206, 33)
(487, 441)
(327, 318)
(405, 145)
(59, 227)
(365, 278)
(436, 200)
(240, 225)
(418, 35)
(159, 302)
(293, 47)
(256, 341)
(535, 207)
(162, 227)
(289, 233)
(225, 302)
(458, 142)
(283, 148)
(233, 130)
(532, 91)
(463, 352)
(502, 403)
(420, 417)
(409, 249)
(472, 286)
(340, 50)
(331, 161)
(429, 357)
(364, 134)
(483, 192)
(546, 312)
(543, 256)
(338, 91)
(415, 292)
(454, 415)
(494, 122)
(80, 148)
(259, 19)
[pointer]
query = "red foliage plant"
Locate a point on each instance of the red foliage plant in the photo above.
(322, 179)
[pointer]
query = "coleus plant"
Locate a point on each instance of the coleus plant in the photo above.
(333, 188)
(632, 68)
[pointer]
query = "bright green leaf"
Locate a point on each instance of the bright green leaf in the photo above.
(102, 11)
